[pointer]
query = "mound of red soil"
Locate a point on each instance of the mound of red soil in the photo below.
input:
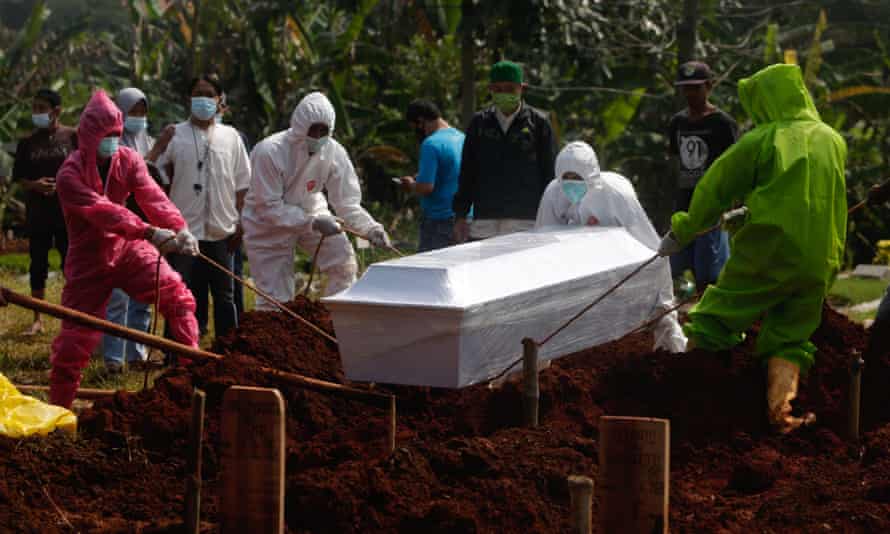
(58, 484)
(463, 465)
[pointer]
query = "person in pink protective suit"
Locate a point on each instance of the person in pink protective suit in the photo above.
(109, 244)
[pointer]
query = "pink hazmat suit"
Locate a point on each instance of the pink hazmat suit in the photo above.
(107, 247)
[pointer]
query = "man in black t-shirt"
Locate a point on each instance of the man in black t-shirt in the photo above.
(37, 159)
(699, 135)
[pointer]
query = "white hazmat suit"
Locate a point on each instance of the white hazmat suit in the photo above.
(286, 196)
(610, 200)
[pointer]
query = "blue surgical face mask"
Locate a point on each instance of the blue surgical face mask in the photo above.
(108, 146)
(40, 120)
(574, 189)
(203, 108)
(316, 145)
(135, 125)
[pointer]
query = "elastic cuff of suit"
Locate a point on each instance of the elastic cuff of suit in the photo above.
(711, 337)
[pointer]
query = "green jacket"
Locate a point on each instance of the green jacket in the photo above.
(789, 171)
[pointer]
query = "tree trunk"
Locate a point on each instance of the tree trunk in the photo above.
(194, 65)
(467, 63)
(136, 53)
(688, 32)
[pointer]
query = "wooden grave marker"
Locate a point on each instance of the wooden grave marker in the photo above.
(634, 475)
(252, 461)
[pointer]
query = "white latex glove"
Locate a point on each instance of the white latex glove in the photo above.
(164, 240)
(326, 225)
(379, 238)
(186, 243)
(669, 245)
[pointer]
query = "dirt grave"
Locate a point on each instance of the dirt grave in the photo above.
(462, 464)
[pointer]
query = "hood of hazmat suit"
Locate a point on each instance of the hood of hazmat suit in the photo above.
(789, 172)
(287, 183)
(610, 201)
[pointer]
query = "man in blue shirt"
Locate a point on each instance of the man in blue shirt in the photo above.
(438, 170)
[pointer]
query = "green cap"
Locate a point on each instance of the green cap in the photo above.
(506, 71)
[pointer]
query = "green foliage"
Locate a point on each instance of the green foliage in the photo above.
(604, 70)
(814, 57)
(771, 44)
(618, 114)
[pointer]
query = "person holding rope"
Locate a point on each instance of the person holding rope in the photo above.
(285, 207)
(109, 244)
(789, 172)
(583, 195)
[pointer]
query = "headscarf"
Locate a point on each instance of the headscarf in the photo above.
(140, 142)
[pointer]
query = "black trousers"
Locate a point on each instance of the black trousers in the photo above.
(41, 238)
(199, 274)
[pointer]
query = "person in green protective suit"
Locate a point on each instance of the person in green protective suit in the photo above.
(789, 172)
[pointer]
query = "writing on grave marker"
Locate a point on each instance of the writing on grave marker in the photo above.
(633, 484)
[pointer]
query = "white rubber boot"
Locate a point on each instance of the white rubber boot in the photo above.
(782, 379)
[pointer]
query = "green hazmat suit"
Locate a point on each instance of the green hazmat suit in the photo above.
(789, 172)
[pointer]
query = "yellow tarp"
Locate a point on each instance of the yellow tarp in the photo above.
(22, 416)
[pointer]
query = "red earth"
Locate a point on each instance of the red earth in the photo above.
(462, 464)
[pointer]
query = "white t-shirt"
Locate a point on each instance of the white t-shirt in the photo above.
(209, 167)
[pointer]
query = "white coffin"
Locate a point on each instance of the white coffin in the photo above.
(457, 316)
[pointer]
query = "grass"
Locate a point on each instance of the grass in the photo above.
(851, 291)
(18, 263)
(861, 316)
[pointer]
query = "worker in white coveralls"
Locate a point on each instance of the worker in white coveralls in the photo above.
(581, 194)
(286, 207)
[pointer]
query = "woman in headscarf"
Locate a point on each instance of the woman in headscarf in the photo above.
(121, 308)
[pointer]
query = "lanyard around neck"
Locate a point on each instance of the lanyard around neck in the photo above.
(202, 159)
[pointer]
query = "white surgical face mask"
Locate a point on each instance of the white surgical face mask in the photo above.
(40, 120)
(108, 146)
(135, 125)
(574, 190)
(203, 107)
(316, 145)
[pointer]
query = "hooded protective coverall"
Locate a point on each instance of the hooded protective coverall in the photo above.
(107, 248)
(789, 172)
(286, 194)
(610, 201)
